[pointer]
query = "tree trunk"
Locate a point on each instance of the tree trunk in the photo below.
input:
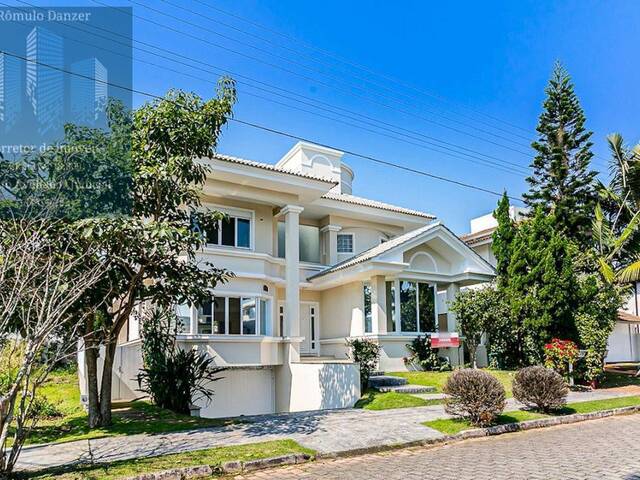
(106, 383)
(472, 354)
(91, 362)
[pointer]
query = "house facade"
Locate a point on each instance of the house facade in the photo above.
(624, 341)
(314, 266)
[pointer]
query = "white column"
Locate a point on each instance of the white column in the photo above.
(378, 305)
(452, 292)
(292, 269)
(331, 243)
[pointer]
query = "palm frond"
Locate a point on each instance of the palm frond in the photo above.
(630, 273)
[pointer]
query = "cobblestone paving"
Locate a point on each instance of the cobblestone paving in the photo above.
(598, 449)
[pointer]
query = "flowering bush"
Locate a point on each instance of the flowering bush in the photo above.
(559, 354)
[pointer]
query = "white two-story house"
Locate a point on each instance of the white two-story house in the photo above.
(314, 266)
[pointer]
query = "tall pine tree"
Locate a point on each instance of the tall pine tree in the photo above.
(503, 238)
(562, 183)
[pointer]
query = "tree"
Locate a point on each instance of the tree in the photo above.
(562, 183)
(154, 249)
(41, 280)
(475, 313)
(541, 287)
(503, 238)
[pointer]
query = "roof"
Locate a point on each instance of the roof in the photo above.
(271, 167)
(377, 250)
(343, 197)
(627, 317)
(477, 237)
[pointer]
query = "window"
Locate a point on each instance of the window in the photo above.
(233, 231)
(235, 316)
(417, 307)
(345, 243)
(183, 313)
(368, 322)
(391, 306)
(309, 237)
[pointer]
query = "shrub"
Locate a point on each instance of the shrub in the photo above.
(541, 388)
(174, 378)
(559, 354)
(426, 357)
(475, 395)
(366, 352)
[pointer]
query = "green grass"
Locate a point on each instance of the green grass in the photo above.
(212, 456)
(438, 379)
(62, 390)
(373, 400)
(451, 426)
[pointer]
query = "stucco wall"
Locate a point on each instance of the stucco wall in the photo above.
(341, 311)
(320, 386)
(624, 343)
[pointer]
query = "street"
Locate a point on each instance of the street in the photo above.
(604, 449)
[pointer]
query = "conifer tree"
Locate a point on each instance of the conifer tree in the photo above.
(503, 238)
(562, 182)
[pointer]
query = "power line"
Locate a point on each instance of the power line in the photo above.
(521, 170)
(271, 130)
(603, 161)
(309, 78)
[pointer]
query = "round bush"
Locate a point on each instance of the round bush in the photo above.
(475, 395)
(541, 388)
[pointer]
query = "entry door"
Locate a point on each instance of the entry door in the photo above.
(309, 328)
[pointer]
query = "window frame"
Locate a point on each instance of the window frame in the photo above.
(235, 214)
(353, 242)
(398, 307)
(240, 296)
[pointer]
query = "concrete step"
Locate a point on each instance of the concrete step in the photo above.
(386, 381)
(377, 373)
(407, 389)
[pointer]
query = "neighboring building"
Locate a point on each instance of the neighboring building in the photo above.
(89, 92)
(10, 91)
(44, 84)
(624, 341)
(314, 266)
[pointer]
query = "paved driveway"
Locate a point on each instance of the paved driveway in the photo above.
(600, 449)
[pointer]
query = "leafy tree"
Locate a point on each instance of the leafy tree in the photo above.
(475, 313)
(503, 238)
(154, 249)
(542, 287)
(367, 353)
(562, 183)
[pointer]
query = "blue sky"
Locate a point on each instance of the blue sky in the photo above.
(469, 63)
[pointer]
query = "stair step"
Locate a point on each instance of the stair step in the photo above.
(377, 373)
(407, 389)
(386, 381)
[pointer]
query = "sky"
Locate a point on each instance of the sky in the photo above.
(405, 82)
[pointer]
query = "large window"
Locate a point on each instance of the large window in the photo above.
(391, 306)
(345, 242)
(309, 237)
(234, 231)
(417, 307)
(235, 316)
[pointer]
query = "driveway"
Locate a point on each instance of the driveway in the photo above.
(598, 449)
(328, 432)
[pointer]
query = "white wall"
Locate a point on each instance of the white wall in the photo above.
(624, 343)
(320, 386)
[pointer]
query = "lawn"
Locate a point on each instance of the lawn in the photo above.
(62, 391)
(438, 379)
(452, 426)
(373, 400)
(212, 457)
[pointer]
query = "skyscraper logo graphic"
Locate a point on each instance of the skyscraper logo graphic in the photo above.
(10, 92)
(89, 92)
(45, 80)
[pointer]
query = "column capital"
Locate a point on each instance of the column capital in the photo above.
(287, 209)
(330, 228)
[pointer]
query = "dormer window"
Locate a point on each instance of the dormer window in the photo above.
(345, 243)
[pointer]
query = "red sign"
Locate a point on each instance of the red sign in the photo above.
(445, 340)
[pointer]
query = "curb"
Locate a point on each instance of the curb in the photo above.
(231, 467)
(486, 432)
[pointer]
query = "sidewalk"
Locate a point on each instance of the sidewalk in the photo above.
(327, 432)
